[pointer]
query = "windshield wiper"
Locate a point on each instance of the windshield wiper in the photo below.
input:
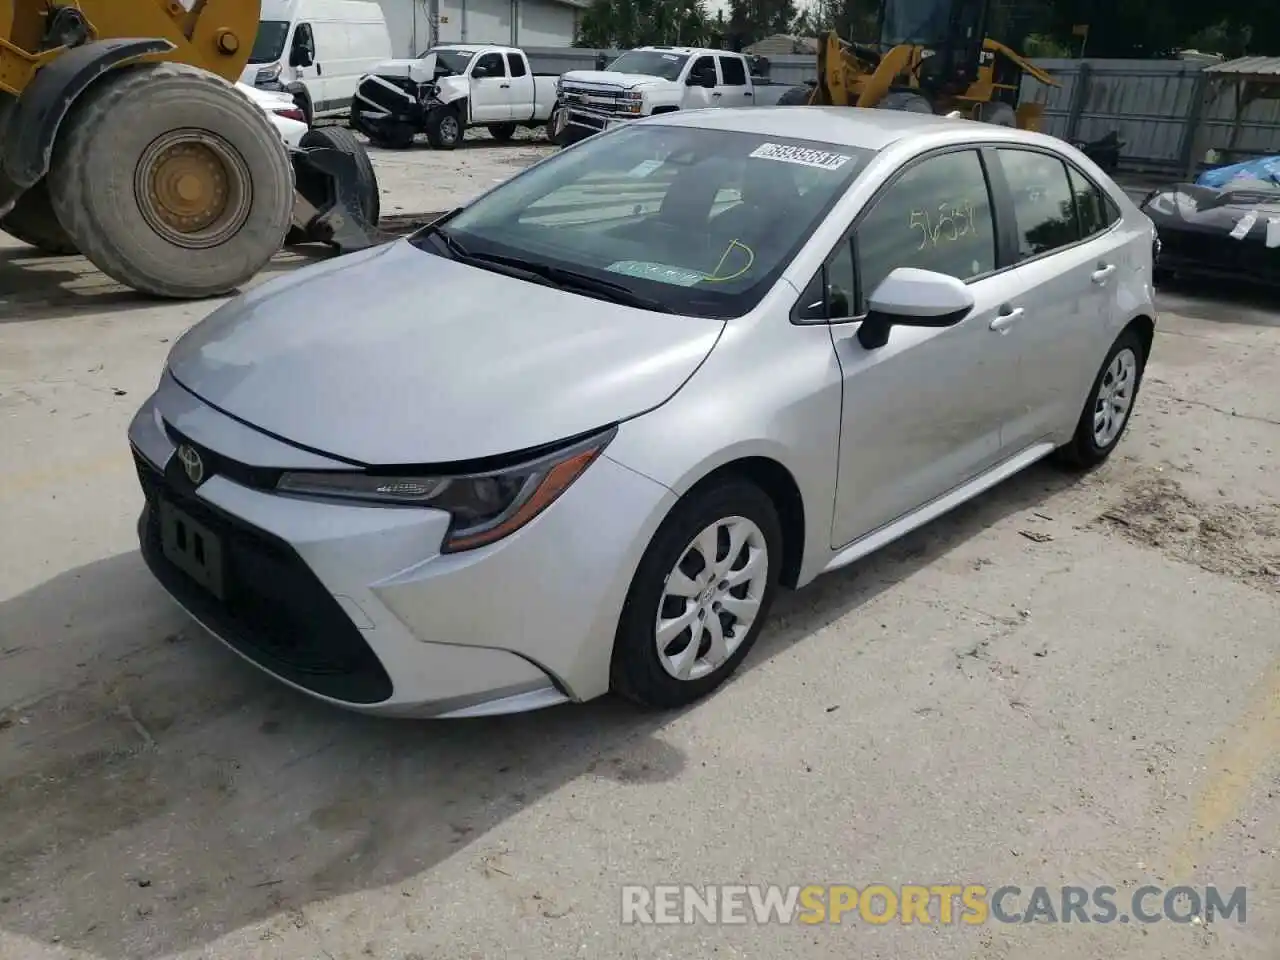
(582, 282)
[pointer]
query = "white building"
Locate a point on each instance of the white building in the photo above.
(417, 24)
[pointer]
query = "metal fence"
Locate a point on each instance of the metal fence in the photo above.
(1154, 105)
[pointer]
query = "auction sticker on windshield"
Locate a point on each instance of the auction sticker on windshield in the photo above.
(805, 156)
(660, 272)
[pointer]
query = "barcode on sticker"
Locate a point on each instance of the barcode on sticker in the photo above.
(805, 156)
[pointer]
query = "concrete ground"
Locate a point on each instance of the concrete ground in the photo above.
(1069, 681)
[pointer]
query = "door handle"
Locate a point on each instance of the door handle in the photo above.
(748, 93)
(716, 94)
(505, 86)
(1100, 275)
(319, 70)
(1006, 319)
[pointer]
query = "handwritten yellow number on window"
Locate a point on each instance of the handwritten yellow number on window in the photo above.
(954, 220)
(920, 221)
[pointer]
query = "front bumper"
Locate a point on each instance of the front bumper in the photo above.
(584, 123)
(355, 605)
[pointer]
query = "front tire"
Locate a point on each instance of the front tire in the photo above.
(444, 129)
(699, 597)
(1110, 404)
(171, 181)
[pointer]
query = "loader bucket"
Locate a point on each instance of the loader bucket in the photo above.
(337, 194)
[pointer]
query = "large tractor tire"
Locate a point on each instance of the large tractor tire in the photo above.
(33, 221)
(796, 96)
(906, 101)
(318, 189)
(1001, 114)
(172, 182)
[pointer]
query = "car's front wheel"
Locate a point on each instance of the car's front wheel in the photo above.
(700, 595)
(1106, 413)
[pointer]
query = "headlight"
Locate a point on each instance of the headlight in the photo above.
(268, 73)
(485, 506)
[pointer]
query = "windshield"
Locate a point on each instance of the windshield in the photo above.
(649, 63)
(701, 221)
(449, 60)
(915, 21)
(268, 45)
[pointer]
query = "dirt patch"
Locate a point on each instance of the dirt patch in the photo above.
(1240, 542)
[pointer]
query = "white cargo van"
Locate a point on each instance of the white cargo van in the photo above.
(317, 50)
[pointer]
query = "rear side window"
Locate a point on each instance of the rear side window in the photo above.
(516, 63)
(1043, 202)
(936, 216)
(733, 72)
(1096, 210)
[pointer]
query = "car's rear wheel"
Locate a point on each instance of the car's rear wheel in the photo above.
(700, 595)
(1107, 411)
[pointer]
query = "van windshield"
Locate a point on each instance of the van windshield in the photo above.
(268, 45)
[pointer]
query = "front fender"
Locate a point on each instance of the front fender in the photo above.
(32, 127)
(450, 90)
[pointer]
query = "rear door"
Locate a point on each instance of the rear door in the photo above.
(1068, 272)
(735, 91)
(521, 89)
(923, 413)
(490, 89)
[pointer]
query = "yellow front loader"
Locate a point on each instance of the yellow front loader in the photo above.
(123, 137)
(933, 57)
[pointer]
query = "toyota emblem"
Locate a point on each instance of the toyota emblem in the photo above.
(192, 465)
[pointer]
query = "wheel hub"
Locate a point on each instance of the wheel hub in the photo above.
(193, 188)
(711, 598)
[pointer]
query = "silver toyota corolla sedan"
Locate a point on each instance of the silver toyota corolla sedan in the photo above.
(572, 437)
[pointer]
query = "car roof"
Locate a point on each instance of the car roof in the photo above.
(869, 129)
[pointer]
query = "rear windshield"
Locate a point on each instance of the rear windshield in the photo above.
(649, 63)
(702, 221)
(268, 45)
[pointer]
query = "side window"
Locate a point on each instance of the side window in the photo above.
(830, 294)
(1043, 206)
(304, 46)
(1097, 210)
(516, 63)
(490, 65)
(734, 73)
(703, 66)
(936, 216)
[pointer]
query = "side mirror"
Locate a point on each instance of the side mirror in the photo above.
(302, 56)
(479, 73)
(909, 297)
(701, 78)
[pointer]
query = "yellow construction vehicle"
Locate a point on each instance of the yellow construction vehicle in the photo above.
(933, 57)
(123, 137)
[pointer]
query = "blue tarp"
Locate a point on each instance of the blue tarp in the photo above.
(1266, 169)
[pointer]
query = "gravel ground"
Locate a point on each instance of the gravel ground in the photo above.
(1068, 681)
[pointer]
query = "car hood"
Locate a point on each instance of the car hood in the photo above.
(626, 81)
(397, 356)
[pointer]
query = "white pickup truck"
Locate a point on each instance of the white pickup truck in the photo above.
(652, 80)
(447, 89)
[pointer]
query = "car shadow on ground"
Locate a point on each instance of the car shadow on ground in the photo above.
(160, 793)
(37, 286)
(1220, 301)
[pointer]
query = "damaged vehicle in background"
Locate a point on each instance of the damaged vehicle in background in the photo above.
(594, 419)
(1225, 225)
(448, 89)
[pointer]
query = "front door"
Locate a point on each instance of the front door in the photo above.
(923, 413)
(1069, 269)
(697, 95)
(490, 90)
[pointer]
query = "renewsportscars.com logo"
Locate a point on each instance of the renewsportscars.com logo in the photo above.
(935, 904)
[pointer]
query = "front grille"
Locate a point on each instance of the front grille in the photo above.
(613, 102)
(274, 610)
(1194, 250)
(376, 92)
